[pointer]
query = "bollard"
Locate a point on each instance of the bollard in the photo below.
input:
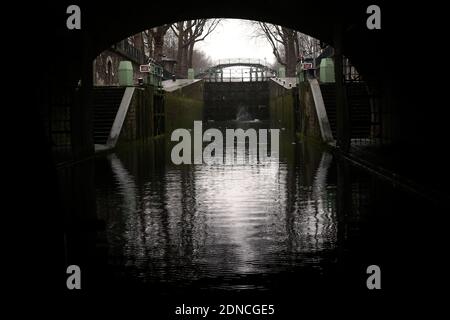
(282, 72)
(125, 73)
(327, 70)
(191, 73)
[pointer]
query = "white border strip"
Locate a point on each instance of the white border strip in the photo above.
(120, 117)
(321, 112)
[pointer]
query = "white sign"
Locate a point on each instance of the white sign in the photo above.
(144, 68)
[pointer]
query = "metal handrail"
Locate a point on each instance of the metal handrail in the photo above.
(262, 62)
(224, 63)
(130, 51)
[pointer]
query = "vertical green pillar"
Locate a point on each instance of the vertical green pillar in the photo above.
(191, 73)
(125, 73)
(327, 70)
(281, 72)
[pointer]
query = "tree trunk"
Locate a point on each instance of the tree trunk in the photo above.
(291, 57)
(179, 67)
(190, 55)
(150, 45)
(158, 39)
(185, 61)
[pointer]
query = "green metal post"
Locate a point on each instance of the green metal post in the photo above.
(327, 70)
(125, 73)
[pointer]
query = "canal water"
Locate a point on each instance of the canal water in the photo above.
(307, 223)
(220, 226)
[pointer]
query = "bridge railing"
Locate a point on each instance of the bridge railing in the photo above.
(241, 60)
(233, 74)
(255, 67)
(235, 79)
(130, 51)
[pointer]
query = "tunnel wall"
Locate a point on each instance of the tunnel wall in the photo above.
(403, 98)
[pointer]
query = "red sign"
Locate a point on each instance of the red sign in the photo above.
(144, 68)
(307, 66)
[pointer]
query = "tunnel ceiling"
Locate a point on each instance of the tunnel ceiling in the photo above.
(375, 53)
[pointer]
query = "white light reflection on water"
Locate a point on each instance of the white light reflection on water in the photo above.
(194, 222)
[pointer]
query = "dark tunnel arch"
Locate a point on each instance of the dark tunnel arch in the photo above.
(98, 49)
(57, 57)
(383, 56)
(105, 24)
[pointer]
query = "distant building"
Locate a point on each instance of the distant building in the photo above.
(106, 65)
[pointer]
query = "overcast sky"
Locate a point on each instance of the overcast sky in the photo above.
(234, 38)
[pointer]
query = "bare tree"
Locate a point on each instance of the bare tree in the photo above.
(157, 35)
(200, 60)
(284, 43)
(170, 45)
(199, 33)
(308, 46)
(179, 30)
(148, 43)
(188, 34)
(288, 46)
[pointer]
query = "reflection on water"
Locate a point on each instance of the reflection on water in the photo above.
(217, 225)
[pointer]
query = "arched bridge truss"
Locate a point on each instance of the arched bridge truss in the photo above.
(250, 70)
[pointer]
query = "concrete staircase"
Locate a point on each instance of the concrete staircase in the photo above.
(106, 102)
(358, 100)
